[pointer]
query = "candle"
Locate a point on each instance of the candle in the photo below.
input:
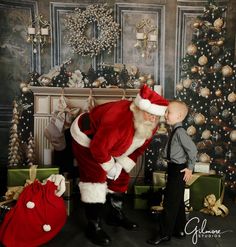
(152, 37)
(140, 35)
(31, 30)
(44, 31)
(47, 157)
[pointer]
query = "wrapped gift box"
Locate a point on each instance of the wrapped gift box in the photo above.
(205, 185)
(18, 176)
(142, 194)
(202, 167)
(159, 178)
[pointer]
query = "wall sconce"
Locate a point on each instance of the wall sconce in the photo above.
(146, 35)
(38, 33)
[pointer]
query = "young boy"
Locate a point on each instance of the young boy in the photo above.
(181, 155)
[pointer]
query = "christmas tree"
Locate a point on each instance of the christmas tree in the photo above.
(208, 86)
(15, 152)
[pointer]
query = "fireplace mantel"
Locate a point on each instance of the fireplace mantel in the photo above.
(46, 102)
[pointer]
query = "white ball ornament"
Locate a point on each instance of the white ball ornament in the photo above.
(191, 49)
(218, 23)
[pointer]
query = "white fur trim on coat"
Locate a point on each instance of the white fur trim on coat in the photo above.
(108, 165)
(78, 135)
(126, 163)
(93, 192)
(146, 105)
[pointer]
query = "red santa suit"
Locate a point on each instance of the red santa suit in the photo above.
(109, 139)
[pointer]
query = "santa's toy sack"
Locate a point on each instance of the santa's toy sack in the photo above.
(36, 218)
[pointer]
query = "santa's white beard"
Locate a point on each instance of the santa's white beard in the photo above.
(144, 129)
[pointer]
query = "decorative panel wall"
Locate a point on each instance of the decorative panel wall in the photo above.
(128, 15)
(187, 12)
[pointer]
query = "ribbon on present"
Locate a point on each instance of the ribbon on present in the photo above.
(14, 192)
(214, 207)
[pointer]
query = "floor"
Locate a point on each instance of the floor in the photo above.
(214, 231)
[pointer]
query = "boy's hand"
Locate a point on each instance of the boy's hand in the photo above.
(187, 174)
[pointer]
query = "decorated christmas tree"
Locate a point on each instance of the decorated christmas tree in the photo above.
(30, 152)
(15, 154)
(208, 86)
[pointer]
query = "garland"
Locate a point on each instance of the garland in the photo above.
(77, 22)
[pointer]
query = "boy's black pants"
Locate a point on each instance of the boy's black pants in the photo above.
(173, 218)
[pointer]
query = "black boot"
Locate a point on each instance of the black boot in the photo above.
(94, 229)
(116, 216)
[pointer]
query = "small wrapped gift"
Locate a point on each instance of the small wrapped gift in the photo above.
(18, 176)
(145, 195)
(159, 178)
(203, 185)
(202, 167)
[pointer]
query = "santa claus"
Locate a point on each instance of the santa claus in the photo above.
(106, 143)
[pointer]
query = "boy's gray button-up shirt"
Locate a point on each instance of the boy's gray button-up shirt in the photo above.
(182, 149)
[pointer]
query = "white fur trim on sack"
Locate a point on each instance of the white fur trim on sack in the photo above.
(146, 105)
(93, 192)
(126, 163)
(78, 135)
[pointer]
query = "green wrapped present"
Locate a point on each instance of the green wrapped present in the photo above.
(203, 186)
(159, 178)
(143, 195)
(18, 176)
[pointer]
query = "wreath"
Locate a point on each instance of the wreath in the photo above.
(77, 22)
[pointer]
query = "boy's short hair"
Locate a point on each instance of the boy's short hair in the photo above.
(184, 106)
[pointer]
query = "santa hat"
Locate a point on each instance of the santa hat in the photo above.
(36, 218)
(150, 101)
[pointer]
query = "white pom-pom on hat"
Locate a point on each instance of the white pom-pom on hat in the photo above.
(47, 228)
(30, 204)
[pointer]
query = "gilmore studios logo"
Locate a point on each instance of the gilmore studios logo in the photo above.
(197, 229)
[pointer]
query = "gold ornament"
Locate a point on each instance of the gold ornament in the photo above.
(191, 130)
(191, 49)
(196, 24)
(205, 92)
(232, 97)
(25, 89)
(187, 83)
(220, 42)
(227, 71)
(142, 79)
(233, 135)
(202, 60)
(205, 158)
(179, 87)
(194, 69)
(22, 85)
(199, 119)
(206, 134)
(218, 92)
(218, 23)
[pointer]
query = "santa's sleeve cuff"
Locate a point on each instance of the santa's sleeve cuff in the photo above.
(126, 163)
(108, 165)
